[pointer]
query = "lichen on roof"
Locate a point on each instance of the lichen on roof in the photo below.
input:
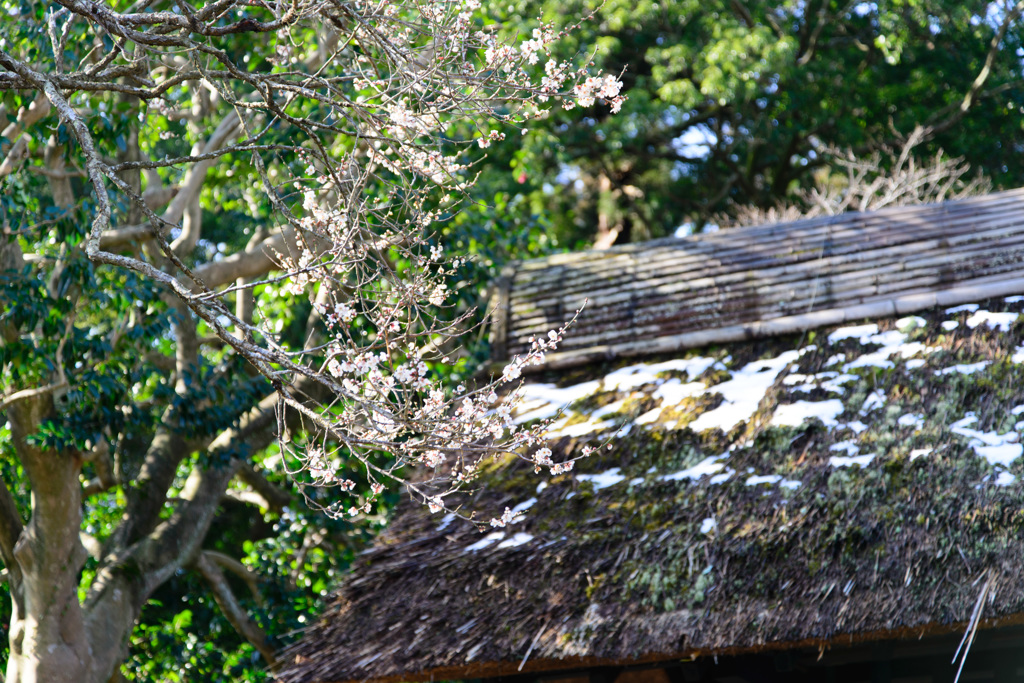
(845, 481)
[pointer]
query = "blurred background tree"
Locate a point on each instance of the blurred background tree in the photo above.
(737, 104)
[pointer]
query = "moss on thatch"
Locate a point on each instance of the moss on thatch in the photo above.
(782, 539)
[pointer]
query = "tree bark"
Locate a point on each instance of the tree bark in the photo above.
(47, 638)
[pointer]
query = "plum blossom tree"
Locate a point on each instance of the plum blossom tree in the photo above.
(219, 240)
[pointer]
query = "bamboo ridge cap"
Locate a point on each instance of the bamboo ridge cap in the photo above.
(791, 324)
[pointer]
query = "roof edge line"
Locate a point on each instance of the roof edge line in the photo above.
(506, 668)
(790, 324)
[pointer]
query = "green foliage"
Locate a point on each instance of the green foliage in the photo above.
(735, 104)
(112, 333)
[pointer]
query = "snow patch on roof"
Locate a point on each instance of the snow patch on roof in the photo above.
(914, 420)
(1018, 355)
(861, 332)
(484, 542)
(849, 447)
(996, 321)
(672, 392)
(542, 401)
(516, 540)
(997, 449)
(743, 393)
(755, 480)
(876, 399)
(847, 461)
(633, 376)
(964, 368)
(795, 414)
(711, 465)
(604, 479)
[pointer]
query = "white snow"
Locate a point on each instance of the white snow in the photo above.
(1004, 479)
(772, 479)
(484, 542)
(909, 323)
(971, 308)
(892, 342)
(445, 521)
(795, 414)
(722, 478)
(849, 447)
(911, 420)
(633, 376)
(742, 394)
(523, 507)
(861, 332)
(876, 399)
(996, 321)
(997, 449)
(915, 363)
(950, 325)
(829, 381)
(580, 428)
(545, 400)
(672, 392)
(855, 425)
(604, 479)
(919, 452)
(517, 539)
(1018, 355)
(965, 368)
(708, 525)
(838, 384)
(1000, 454)
(709, 465)
(608, 409)
(648, 417)
(1014, 299)
(846, 461)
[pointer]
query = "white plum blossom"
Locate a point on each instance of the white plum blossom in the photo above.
(506, 517)
(373, 263)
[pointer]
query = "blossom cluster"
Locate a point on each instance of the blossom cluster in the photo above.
(364, 248)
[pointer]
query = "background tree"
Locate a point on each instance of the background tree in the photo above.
(740, 104)
(220, 274)
(889, 177)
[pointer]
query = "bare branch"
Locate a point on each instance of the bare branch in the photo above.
(270, 496)
(26, 394)
(251, 578)
(103, 463)
(15, 144)
(945, 119)
(244, 265)
(232, 610)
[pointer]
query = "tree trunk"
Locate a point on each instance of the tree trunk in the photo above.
(47, 636)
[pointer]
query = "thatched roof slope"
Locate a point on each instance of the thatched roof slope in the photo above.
(737, 284)
(846, 483)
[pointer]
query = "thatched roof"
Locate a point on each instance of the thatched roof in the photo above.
(854, 482)
(673, 294)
